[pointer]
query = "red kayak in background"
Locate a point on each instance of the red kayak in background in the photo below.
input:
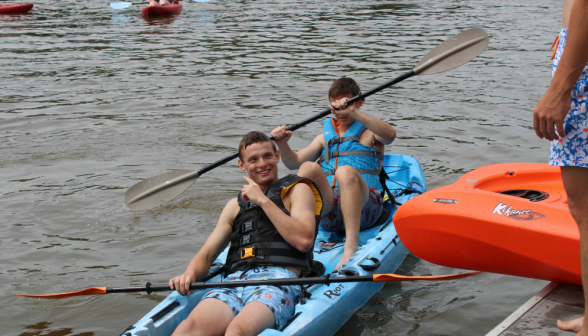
(510, 218)
(161, 10)
(16, 9)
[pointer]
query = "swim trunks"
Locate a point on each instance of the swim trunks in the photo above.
(281, 300)
(572, 150)
(369, 214)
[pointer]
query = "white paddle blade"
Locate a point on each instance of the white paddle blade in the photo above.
(120, 5)
(160, 189)
(201, 0)
(454, 52)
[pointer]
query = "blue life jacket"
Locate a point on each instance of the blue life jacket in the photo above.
(348, 151)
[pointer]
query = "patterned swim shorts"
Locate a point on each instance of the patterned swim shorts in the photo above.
(369, 214)
(281, 300)
(572, 150)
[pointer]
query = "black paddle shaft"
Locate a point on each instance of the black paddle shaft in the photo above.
(303, 123)
(326, 280)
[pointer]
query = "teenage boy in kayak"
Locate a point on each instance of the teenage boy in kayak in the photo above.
(347, 175)
(564, 105)
(271, 227)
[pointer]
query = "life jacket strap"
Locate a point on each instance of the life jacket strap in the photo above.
(250, 226)
(331, 155)
(262, 253)
(336, 141)
(361, 171)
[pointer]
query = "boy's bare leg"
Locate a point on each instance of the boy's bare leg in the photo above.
(575, 180)
(210, 317)
(354, 195)
(254, 318)
(314, 172)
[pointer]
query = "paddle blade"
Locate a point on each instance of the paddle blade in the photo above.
(87, 291)
(396, 277)
(120, 5)
(455, 51)
(159, 189)
(200, 0)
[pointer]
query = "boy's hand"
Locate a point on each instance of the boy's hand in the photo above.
(281, 135)
(182, 284)
(341, 109)
(252, 192)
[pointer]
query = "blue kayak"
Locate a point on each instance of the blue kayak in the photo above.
(327, 308)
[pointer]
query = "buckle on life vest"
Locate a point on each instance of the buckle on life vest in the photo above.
(247, 253)
(247, 226)
(246, 240)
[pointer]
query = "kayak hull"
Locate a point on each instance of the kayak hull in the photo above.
(16, 9)
(470, 225)
(329, 307)
(161, 10)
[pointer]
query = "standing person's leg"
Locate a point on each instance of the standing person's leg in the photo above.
(575, 180)
(354, 195)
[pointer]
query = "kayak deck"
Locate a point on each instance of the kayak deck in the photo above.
(16, 9)
(328, 307)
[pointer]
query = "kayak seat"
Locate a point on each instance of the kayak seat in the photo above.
(317, 270)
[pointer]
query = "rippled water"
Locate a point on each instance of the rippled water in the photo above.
(94, 100)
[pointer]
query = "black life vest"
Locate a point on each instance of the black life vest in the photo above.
(256, 241)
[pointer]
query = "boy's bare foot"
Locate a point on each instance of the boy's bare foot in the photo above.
(571, 325)
(347, 254)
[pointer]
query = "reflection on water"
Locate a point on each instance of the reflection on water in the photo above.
(42, 329)
(160, 21)
(15, 18)
(122, 20)
(98, 100)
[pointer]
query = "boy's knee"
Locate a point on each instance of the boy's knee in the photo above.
(347, 174)
(186, 327)
(309, 168)
(235, 330)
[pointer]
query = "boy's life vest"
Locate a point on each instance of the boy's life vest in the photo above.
(256, 241)
(348, 151)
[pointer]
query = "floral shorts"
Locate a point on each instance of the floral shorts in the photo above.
(281, 300)
(369, 214)
(572, 150)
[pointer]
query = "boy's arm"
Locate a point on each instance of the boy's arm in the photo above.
(293, 159)
(298, 228)
(213, 246)
(555, 103)
(383, 132)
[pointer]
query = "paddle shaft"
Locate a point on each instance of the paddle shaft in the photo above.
(320, 115)
(326, 280)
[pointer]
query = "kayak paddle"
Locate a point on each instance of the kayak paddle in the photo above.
(123, 5)
(450, 54)
(327, 280)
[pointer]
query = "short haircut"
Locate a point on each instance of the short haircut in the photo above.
(251, 138)
(343, 86)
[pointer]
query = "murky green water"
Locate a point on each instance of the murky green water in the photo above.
(94, 100)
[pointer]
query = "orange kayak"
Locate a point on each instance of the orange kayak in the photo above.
(510, 218)
(16, 9)
(161, 10)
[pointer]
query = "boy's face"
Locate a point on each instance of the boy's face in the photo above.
(261, 163)
(342, 115)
